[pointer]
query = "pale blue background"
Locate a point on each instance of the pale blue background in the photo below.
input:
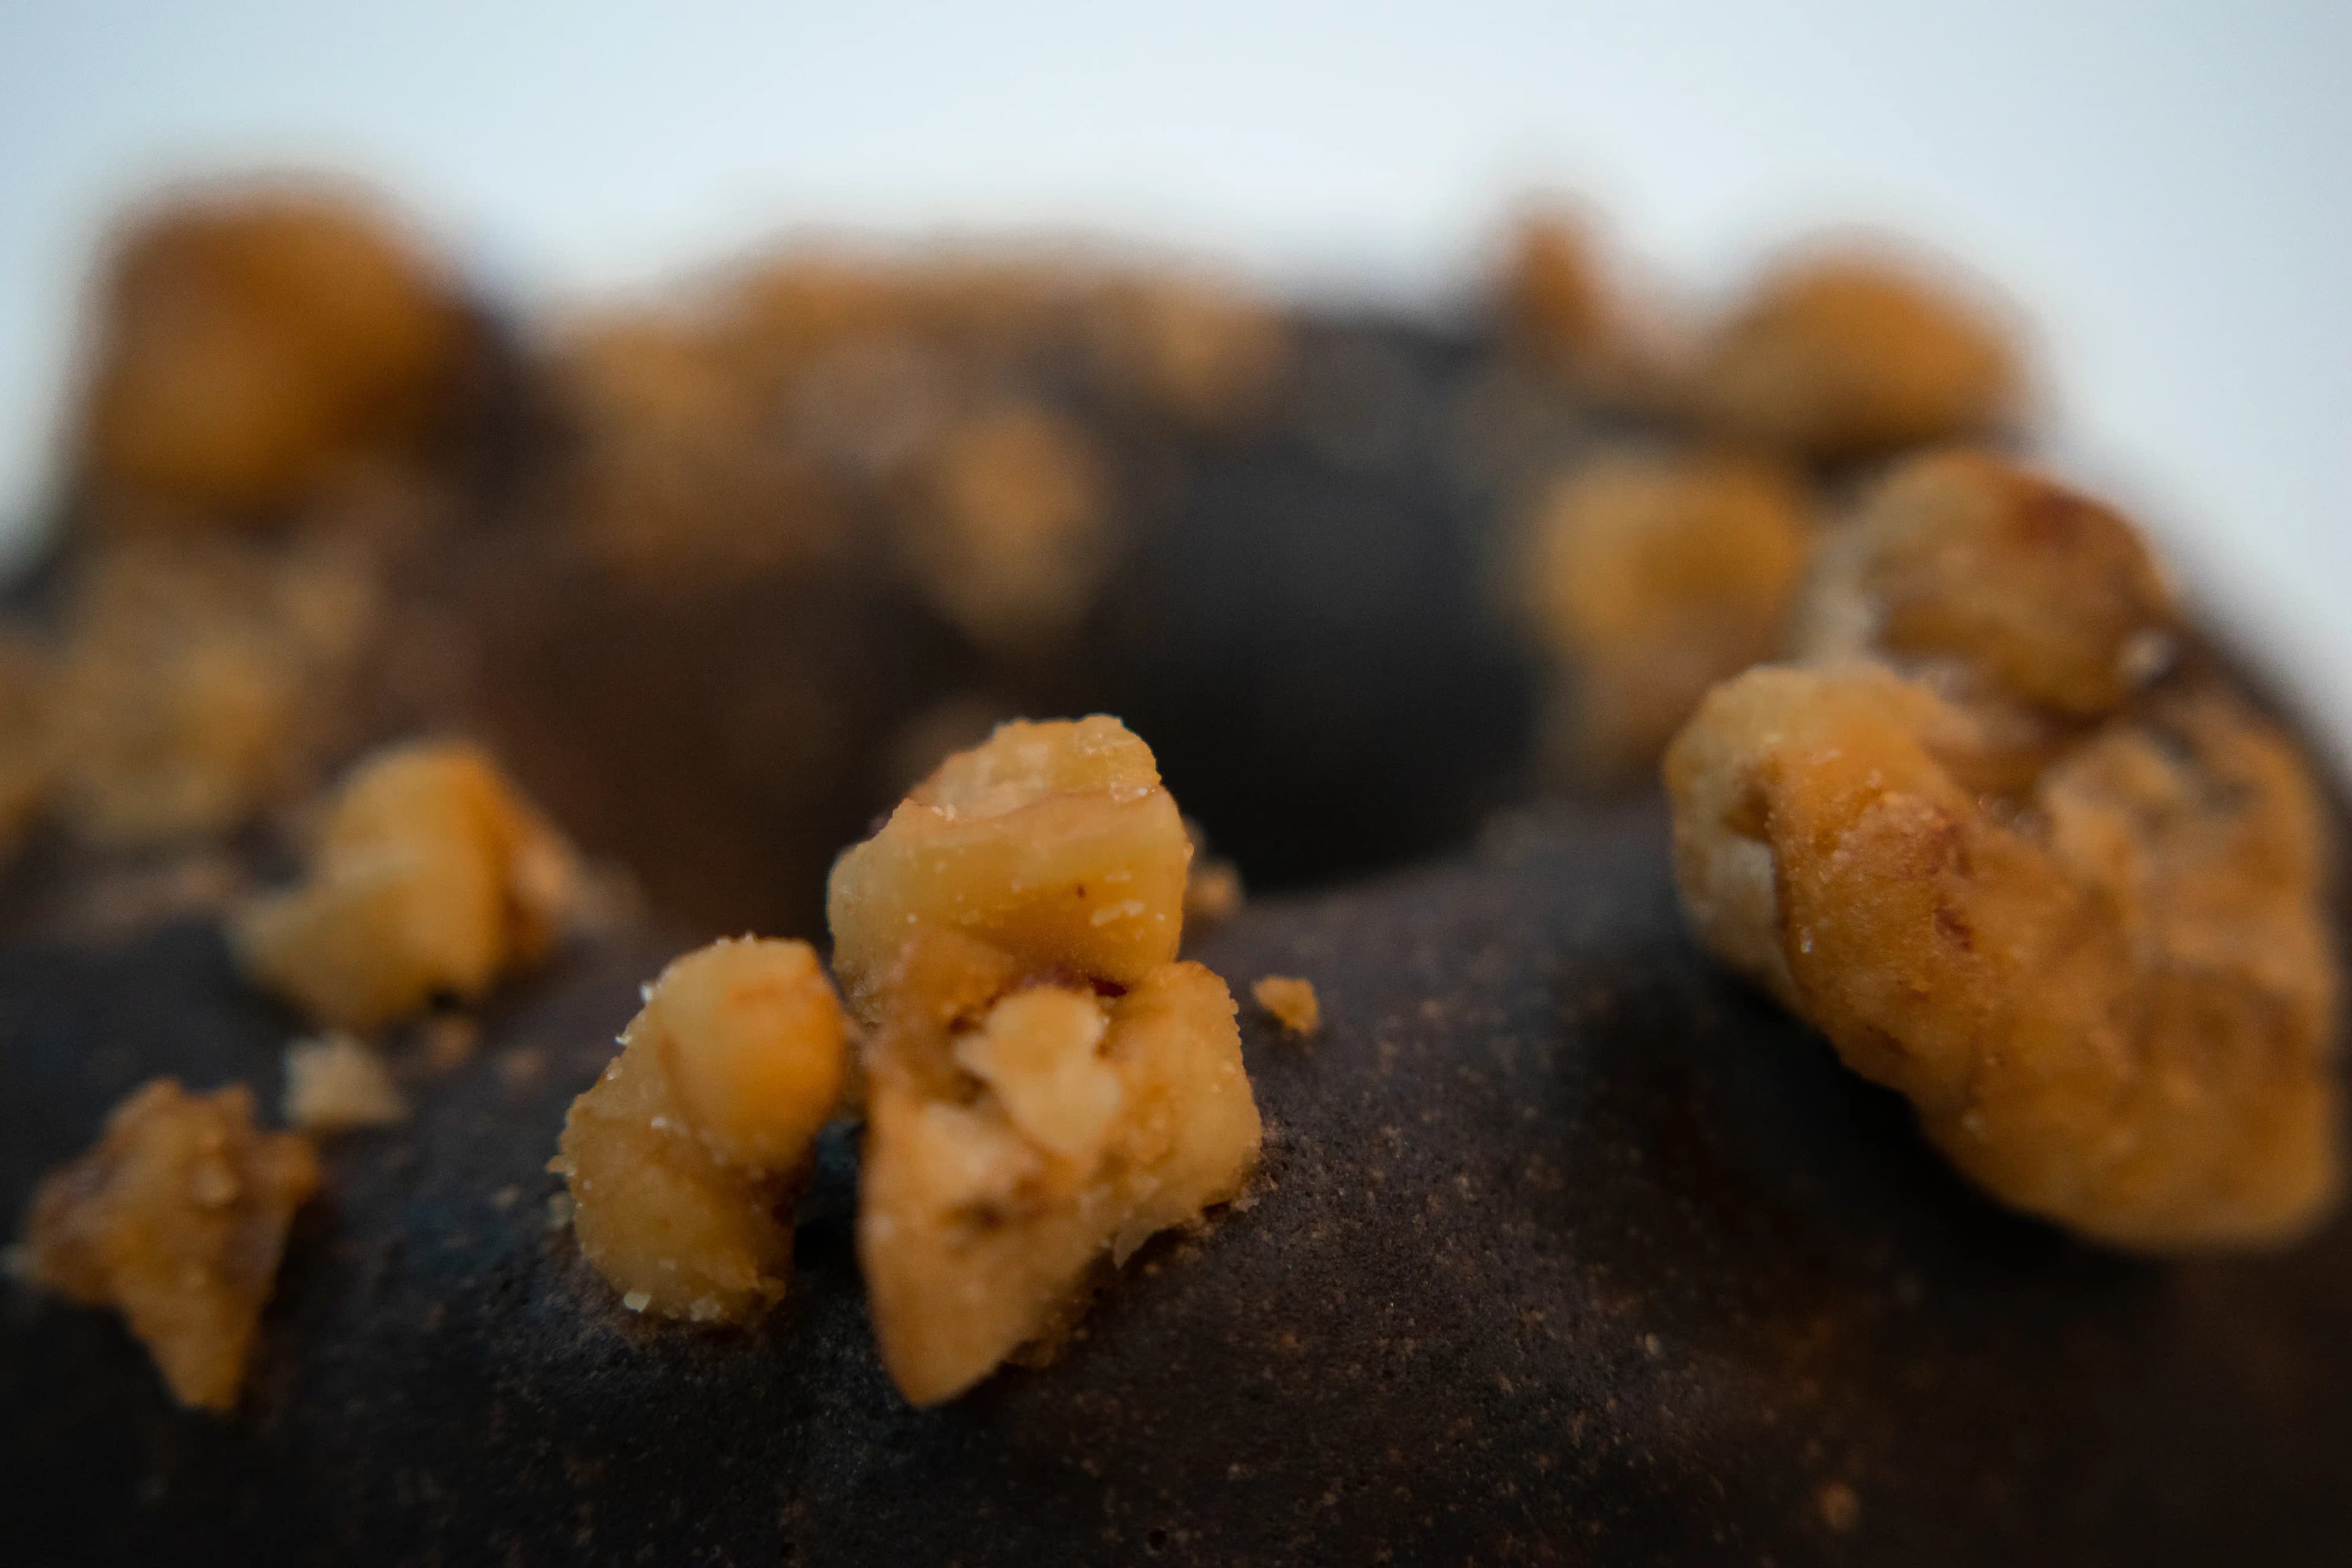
(2166, 186)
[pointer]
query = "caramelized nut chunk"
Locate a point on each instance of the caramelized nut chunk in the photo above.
(1291, 1001)
(177, 1219)
(1553, 291)
(1055, 841)
(1019, 1135)
(1196, 348)
(684, 1158)
(252, 342)
(2112, 1008)
(1849, 353)
(1648, 578)
(2041, 595)
(431, 877)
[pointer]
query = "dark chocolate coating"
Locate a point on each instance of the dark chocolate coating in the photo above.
(1567, 1248)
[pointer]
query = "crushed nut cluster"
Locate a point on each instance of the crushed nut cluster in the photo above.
(1646, 577)
(1046, 1087)
(2063, 896)
(431, 877)
(1291, 1003)
(177, 1219)
(684, 1160)
(256, 340)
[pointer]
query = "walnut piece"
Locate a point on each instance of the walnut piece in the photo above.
(1291, 1003)
(685, 1157)
(1018, 1133)
(252, 340)
(2070, 910)
(1055, 841)
(177, 1219)
(1647, 578)
(336, 1084)
(431, 877)
(1852, 352)
(1046, 1088)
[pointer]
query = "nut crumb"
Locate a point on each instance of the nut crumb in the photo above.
(682, 1160)
(1840, 1508)
(1292, 1002)
(177, 1217)
(431, 877)
(336, 1084)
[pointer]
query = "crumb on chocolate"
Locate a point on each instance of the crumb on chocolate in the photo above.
(177, 1219)
(337, 1084)
(1290, 1001)
(683, 1159)
(430, 878)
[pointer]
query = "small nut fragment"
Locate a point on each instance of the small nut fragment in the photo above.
(1053, 840)
(252, 340)
(430, 878)
(1197, 348)
(177, 1219)
(1291, 1001)
(1647, 578)
(1851, 351)
(683, 1159)
(2067, 902)
(336, 1085)
(1017, 1136)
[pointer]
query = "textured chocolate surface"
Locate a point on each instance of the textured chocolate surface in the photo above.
(1567, 1248)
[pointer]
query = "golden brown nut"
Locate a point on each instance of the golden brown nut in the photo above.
(1019, 1134)
(1647, 578)
(684, 1158)
(1852, 352)
(1997, 581)
(430, 878)
(1553, 291)
(251, 341)
(177, 1219)
(2114, 1007)
(1009, 537)
(1291, 1001)
(1055, 841)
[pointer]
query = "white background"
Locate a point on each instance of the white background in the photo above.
(2166, 187)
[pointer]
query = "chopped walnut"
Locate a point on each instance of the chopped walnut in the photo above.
(1045, 1088)
(1019, 1134)
(177, 1219)
(2073, 912)
(336, 1084)
(1291, 1003)
(1854, 352)
(1055, 841)
(251, 341)
(1009, 538)
(684, 1159)
(430, 878)
(1647, 578)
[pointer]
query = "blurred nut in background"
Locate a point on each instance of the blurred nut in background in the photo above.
(251, 340)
